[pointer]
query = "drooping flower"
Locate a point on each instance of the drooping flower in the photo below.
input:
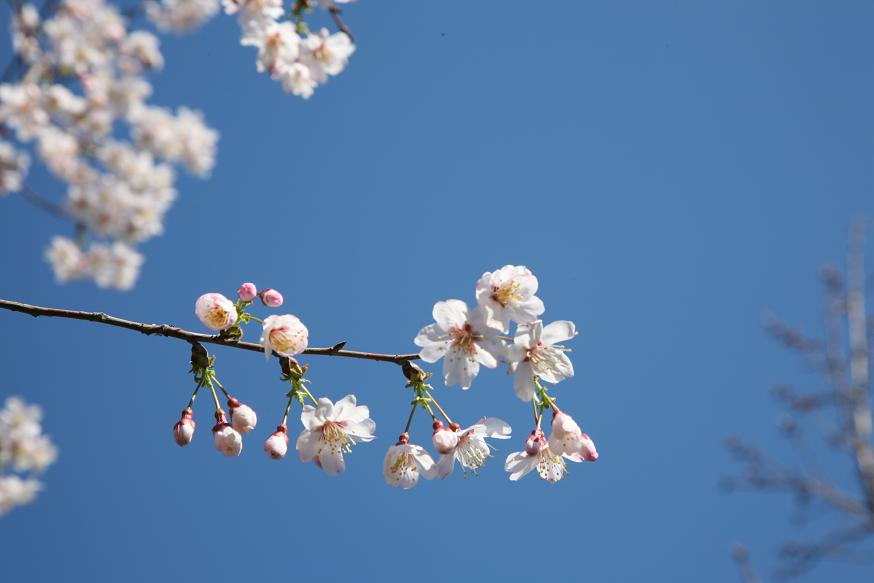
(405, 462)
(508, 294)
(247, 292)
(330, 430)
(286, 335)
(464, 338)
(215, 311)
(533, 352)
(550, 467)
(183, 431)
(472, 450)
(568, 439)
(227, 439)
(276, 445)
(243, 417)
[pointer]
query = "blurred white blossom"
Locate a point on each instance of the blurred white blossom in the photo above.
(23, 448)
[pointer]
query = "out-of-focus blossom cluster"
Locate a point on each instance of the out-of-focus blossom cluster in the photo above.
(82, 104)
(287, 51)
(181, 15)
(24, 452)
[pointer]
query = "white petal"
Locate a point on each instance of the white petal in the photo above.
(424, 461)
(307, 445)
(519, 464)
(308, 418)
(459, 369)
(332, 461)
(361, 431)
(344, 408)
(523, 381)
(558, 331)
(497, 428)
(326, 409)
(445, 466)
(450, 314)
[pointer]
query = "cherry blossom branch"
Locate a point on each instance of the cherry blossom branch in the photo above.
(338, 21)
(171, 331)
(44, 204)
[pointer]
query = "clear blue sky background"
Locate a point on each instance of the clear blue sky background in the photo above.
(670, 170)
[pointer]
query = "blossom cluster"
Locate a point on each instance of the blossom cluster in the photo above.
(81, 103)
(287, 51)
(465, 338)
(24, 449)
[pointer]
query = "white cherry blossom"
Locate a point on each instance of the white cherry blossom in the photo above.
(550, 466)
(13, 168)
(508, 295)
(463, 338)
(471, 449)
(215, 311)
(534, 353)
(286, 335)
(181, 15)
(405, 462)
(330, 430)
(568, 440)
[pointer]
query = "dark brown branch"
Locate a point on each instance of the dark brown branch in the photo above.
(37, 200)
(338, 21)
(175, 332)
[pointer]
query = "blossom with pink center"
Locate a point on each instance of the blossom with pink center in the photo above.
(471, 449)
(183, 431)
(549, 466)
(405, 462)
(508, 295)
(215, 311)
(271, 298)
(247, 292)
(535, 442)
(243, 417)
(286, 335)
(464, 338)
(276, 445)
(330, 430)
(534, 353)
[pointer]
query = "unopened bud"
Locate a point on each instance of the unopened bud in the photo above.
(271, 298)
(444, 438)
(247, 292)
(243, 417)
(587, 448)
(403, 438)
(227, 439)
(276, 445)
(183, 431)
(535, 442)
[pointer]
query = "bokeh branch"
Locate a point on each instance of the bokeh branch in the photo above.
(171, 331)
(841, 416)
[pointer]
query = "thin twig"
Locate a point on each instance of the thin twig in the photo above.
(175, 332)
(338, 21)
(37, 200)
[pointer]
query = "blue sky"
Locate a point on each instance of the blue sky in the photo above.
(670, 170)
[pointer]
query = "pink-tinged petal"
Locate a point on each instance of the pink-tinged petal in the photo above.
(527, 311)
(523, 381)
(558, 331)
(450, 314)
(307, 445)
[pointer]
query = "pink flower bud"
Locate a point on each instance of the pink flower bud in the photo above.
(276, 445)
(564, 427)
(227, 440)
(247, 292)
(444, 438)
(183, 431)
(243, 417)
(587, 448)
(271, 298)
(535, 442)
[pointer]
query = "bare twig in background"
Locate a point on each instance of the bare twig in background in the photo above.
(174, 332)
(841, 417)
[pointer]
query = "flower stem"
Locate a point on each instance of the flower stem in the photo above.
(256, 318)
(439, 408)
(287, 409)
(410, 419)
(194, 394)
(212, 374)
(218, 407)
